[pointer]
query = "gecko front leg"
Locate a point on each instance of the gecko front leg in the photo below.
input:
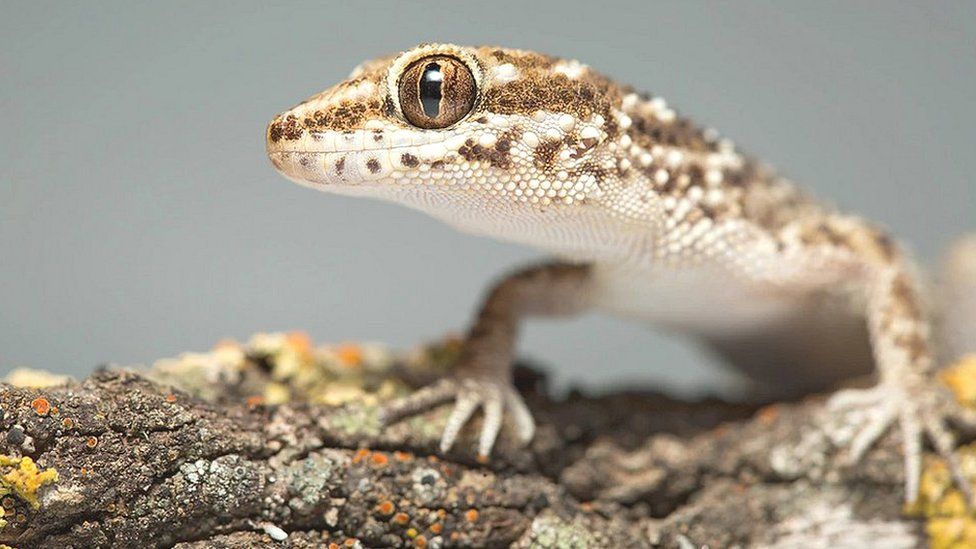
(900, 328)
(906, 392)
(483, 376)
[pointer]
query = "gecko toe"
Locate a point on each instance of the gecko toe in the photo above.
(913, 435)
(945, 444)
(493, 423)
(464, 407)
(876, 426)
(419, 401)
(524, 424)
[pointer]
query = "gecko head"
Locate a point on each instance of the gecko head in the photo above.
(495, 141)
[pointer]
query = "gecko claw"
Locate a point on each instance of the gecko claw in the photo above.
(920, 414)
(469, 394)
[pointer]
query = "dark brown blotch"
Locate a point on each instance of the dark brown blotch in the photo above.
(495, 156)
(914, 344)
(288, 128)
(904, 298)
(545, 154)
(345, 115)
(409, 160)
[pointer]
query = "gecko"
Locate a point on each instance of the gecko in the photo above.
(647, 215)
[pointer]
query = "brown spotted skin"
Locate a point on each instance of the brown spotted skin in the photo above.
(652, 217)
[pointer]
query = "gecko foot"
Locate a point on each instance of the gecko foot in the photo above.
(468, 394)
(920, 412)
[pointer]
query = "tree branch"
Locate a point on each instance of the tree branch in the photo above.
(141, 463)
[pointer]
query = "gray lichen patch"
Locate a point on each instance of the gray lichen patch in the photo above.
(551, 532)
(307, 481)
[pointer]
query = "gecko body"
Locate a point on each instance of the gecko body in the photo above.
(647, 215)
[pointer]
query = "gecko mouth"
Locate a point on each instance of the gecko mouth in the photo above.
(356, 158)
(353, 158)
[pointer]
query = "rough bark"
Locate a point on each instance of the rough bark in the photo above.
(144, 464)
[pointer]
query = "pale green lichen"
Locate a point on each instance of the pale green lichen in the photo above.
(22, 478)
(357, 420)
(549, 531)
(429, 425)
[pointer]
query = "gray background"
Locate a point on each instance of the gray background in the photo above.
(140, 218)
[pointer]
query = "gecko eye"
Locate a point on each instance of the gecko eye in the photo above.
(436, 92)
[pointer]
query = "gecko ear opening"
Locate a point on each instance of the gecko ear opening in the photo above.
(436, 92)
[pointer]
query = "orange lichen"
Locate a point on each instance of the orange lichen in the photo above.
(403, 456)
(471, 515)
(300, 343)
(254, 401)
(379, 459)
(171, 398)
(67, 423)
(55, 411)
(360, 455)
(349, 354)
(436, 528)
(91, 442)
(226, 344)
(350, 542)
(401, 518)
(333, 546)
(41, 406)
(385, 507)
(420, 542)
(768, 414)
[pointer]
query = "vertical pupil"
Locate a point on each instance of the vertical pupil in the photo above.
(430, 89)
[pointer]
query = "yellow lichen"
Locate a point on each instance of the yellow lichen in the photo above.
(951, 532)
(24, 479)
(949, 524)
(961, 378)
(276, 393)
